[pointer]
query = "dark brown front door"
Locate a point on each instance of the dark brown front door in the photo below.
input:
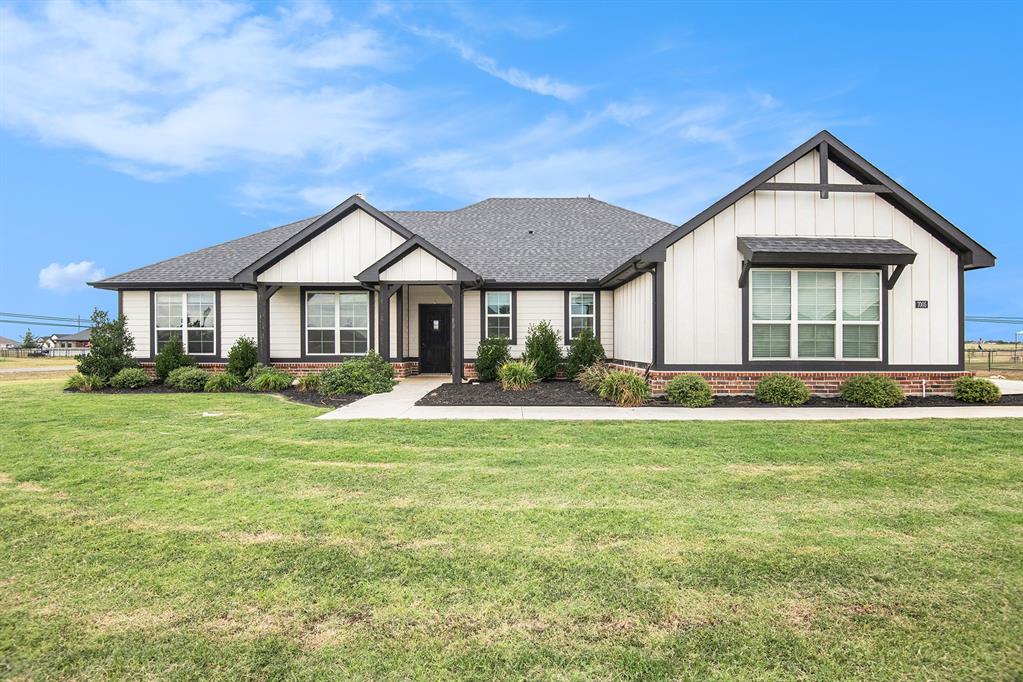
(434, 338)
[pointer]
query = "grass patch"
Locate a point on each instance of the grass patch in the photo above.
(141, 539)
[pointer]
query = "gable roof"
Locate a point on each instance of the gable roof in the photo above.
(81, 335)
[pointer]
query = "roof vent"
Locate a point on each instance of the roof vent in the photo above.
(529, 231)
(361, 195)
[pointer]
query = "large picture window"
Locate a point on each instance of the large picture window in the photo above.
(815, 315)
(499, 314)
(337, 322)
(187, 315)
(582, 313)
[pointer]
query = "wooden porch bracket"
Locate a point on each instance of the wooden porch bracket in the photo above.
(891, 279)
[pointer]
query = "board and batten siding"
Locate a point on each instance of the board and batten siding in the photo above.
(337, 254)
(703, 303)
(135, 306)
(418, 266)
(237, 318)
(633, 320)
(607, 322)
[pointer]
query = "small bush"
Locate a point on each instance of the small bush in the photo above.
(585, 350)
(543, 349)
(366, 375)
(110, 347)
(130, 377)
(256, 370)
(517, 375)
(782, 389)
(84, 383)
(690, 390)
(242, 357)
(872, 390)
(188, 379)
(224, 382)
(591, 377)
(625, 388)
(490, 355)
(270, 380)
(171, 357)
(976, 390)
(309, 383)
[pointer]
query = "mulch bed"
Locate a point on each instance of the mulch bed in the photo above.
(293, 394)
(568, 393)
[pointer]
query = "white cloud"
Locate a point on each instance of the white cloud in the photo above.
(65, 278)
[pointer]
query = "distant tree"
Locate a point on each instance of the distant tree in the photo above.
(29, 341)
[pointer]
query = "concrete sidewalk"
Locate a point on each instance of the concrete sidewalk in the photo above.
(393, 405)
(1009, 386)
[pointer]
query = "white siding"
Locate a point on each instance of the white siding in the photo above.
(472, 323)
(285, 324)
(607, 322)
(135, 305)
(337, 254)
(237, 318)
(703, 303)
(633, 320)
(418, 266)
(533, 307)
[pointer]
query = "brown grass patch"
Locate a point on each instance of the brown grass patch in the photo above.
(134, 620)
(31, 487)
(5, 478)
(352, 465)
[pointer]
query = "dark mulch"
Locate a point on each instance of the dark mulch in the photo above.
(545, 394)
(293, 394)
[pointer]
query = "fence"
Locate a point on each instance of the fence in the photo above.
(1009, 358)
(42, 352)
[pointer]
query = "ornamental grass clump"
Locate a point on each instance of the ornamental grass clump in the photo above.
(188, 379)
(517, 375)
(872, 390)
(224, 382)
(975, 390)
(269, 380)
(308, 383)
(490, 355)
(591, 377)
(624, 388)
(130, 377)
(782, 389)
(689, 390)
(366, 375)
(84, 383)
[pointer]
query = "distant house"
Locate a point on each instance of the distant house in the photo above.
(7, 344)
(79, 339)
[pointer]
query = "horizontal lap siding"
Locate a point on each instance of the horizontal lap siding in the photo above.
(135, 305)
(285, 324)
(472, 323)
(633, 320)
(533, 307)
(237, 317)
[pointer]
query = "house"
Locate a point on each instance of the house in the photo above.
(8, 344)
(79, 339)
(821, 266)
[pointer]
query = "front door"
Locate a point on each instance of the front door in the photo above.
(434, 338)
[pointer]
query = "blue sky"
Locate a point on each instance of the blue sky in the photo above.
(132, 133)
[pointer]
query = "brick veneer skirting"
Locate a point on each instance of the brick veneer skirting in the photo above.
(820, 383)
(401, 369)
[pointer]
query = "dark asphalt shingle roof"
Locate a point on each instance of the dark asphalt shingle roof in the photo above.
(826, 245)
(512, 240)
(83, 335)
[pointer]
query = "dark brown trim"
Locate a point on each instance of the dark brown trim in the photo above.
(962, 312)
(891, 279)
(303, 340)
(784, 254)
(400, 322)
(822, 151)
(457, 295)
(514, 313)
(568, 312)
(792, 366)
(166, 286)
(819, 187)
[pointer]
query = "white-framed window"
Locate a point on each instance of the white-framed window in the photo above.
(187, 315)
(815, 314)
(582, 312)
(337, 322)
(498, 312)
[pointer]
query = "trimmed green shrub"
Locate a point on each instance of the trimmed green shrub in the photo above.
(270, 380)
(366, 375)
(130, 377)
(517, 375)
(309, 383)
(585, 350)
(782, 389)
(84, 383)
(110, 347)
(490, 355)
(242, 357)
(591, 377)
(625, 388)
(872, 390)
(543, 349)
(171, 357)
(976, 390)
(690, 390)
(188, 379)
(222, 382)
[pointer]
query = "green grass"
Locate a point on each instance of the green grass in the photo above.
(140, 539)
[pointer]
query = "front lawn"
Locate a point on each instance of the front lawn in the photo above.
(141, 539)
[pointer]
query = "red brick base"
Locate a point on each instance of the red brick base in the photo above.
(819, 383)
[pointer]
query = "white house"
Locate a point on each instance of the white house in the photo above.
(820, 266)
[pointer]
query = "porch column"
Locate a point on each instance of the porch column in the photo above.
(263, 294)
(457, 295)
(384, 312)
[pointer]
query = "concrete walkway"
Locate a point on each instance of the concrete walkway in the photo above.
(394, 405)
(1009, 386)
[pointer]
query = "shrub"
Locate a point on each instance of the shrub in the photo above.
(591, 377)
(110, 347)
(366, 375)
(490, 355)
(975, 390)
(585, 350)
(690, 390)
(309, 383)
(543, 349)
(242, 357)
(517, 375)
(188, 379)
(782, 389)
(625, 388)
(224, 382)
(270, 379)
(130, 377)
(171, 357)
(84, 383)
(256, 370)
(872, 390)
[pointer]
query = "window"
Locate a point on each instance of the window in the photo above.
(187, 315)
(337, 322)
(499, 314)
(833, 314)
(582, 313)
